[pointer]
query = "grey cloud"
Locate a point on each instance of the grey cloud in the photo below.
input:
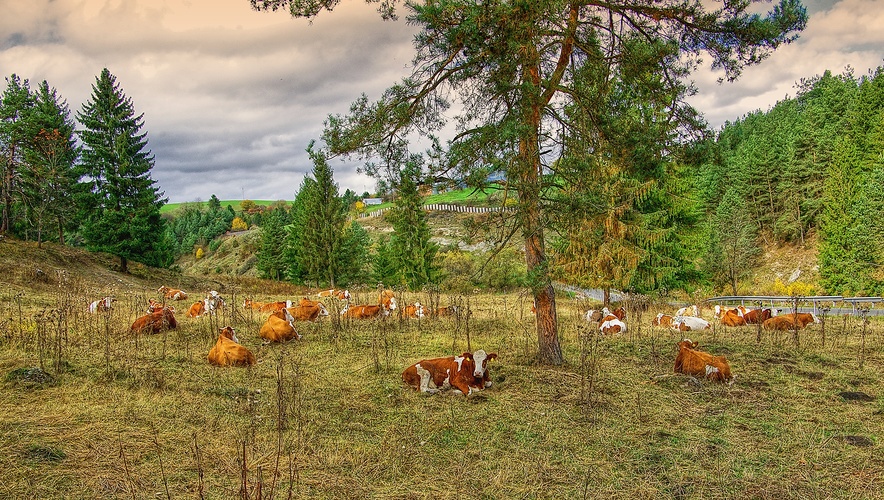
(231, 97)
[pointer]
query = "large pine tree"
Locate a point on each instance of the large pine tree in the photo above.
(16, 104)
(319, 223)
(415, 253)
(119, 202)
(49, 178)
(512, 67)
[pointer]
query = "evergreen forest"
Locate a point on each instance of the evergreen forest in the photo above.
(805, 172)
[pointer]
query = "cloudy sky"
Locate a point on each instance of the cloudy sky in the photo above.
(232, 97)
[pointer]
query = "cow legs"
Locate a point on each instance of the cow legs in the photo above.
(426, 381)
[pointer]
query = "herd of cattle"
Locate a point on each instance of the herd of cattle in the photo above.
(465, 373)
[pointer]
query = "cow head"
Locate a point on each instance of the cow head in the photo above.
(229, 333)
(480, 360)
(418, 310)
(322, 310)
(687, 344)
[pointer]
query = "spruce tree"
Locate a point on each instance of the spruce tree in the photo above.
(415, 253)
(271, 253)
(49, 177)
(320, 221)
(16, 104)
(119, 203)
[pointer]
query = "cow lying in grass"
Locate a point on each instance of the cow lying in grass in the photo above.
(172, 293)
(785, 322)
(102, 305)
(155, 322)
(689, 323)
(279, 327)
(228, 352)
(463, 374)
(690, 361)
(307, 312)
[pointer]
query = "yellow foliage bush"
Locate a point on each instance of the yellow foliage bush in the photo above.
(199, 253)
(238, 224)
(794, 289)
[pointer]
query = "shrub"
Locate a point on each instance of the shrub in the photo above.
(238, 224)
(794, 289)
(199, 253)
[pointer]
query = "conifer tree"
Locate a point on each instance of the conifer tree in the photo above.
(118, 201)
(415, 253)
(271, 253)
(16, 104)
(320, 222)
(49, 178)
(514, 66)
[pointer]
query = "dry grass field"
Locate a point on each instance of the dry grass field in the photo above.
(91, 411)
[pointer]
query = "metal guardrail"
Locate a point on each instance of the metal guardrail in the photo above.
(838, 303)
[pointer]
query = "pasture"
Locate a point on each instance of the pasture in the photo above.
(92, 411)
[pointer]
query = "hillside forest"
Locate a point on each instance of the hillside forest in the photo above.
(805, 172)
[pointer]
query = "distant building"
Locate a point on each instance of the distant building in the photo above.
(372, 201)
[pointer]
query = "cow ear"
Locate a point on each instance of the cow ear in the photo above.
(491, 356)
(694, 344)
(467, 355)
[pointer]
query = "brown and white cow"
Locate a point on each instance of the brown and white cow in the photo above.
(252, 304)
(196, 310)
(305, 302)
(387, 299)
(690, 361)
(689, 323)
(102, 305)
(310, 312)
(279, 327)
(154, 306)
(447, 311)
(719, 310)
(691, 310)
(334, 293)
(415, 310)
(155, 322)
(733, 317)
(367, 311)
(663, 320)
(790, 321)
(209, 305)
(756, 316)
(613, 321)
(386, 304)
(276, 306)
(172, 293)
(464, 374)
(228, 351)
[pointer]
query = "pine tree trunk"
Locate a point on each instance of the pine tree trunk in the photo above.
(529, 187)
(124, 265)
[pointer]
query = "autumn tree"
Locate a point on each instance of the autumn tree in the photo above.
(512, 68)
(119, 202)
